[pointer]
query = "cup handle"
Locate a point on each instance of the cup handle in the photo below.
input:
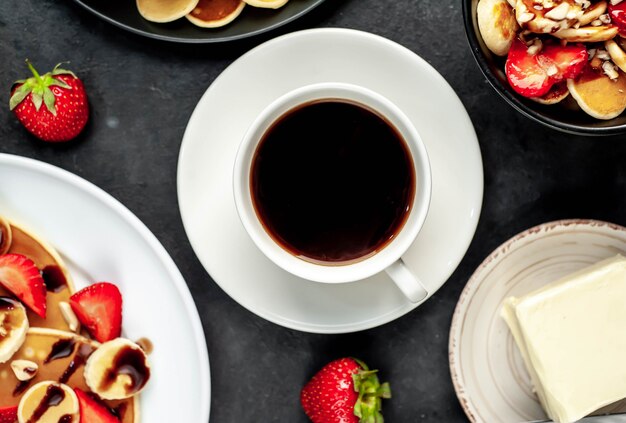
(409, 284)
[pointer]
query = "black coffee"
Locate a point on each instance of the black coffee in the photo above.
(332, 181)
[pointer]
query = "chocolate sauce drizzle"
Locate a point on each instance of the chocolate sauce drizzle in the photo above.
(54, 396)
(54, 278)
(6, 304)
(21, 387)
(83, 353)
(63, 348)
(128, 361)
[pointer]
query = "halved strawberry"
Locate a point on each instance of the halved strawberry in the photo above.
(533, 75)
(92, 410)
(569, 60)
(8, 415)
(618, 15)
(20, 275)
(524, 72)
(99, 309)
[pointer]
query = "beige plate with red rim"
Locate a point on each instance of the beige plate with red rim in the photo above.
(488, 374)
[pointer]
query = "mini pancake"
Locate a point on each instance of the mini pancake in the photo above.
(598, 95)
(165, 10)
(557, 93)
(58, 280)
(60, 357)
(267, 4)
(215, 13)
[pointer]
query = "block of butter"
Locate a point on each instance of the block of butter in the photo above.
(572, 337)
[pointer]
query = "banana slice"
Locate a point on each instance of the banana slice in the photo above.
(598, 95)
(48, 402)
(118, 369)
(5, 236)
(267, 4)
(617, 54)
(497, 25)
(214, 14)
(165, 10)
(587, 34)
(13, 327)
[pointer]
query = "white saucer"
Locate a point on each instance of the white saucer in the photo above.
(487, 369)
(101, 240)
(239, 94)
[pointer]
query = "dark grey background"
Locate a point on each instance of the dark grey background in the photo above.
(142, 93)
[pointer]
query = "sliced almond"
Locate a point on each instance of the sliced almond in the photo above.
(558, 13)
(592, 13)
(69, 316)
(24, 369)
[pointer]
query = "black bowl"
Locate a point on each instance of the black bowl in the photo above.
(565, 116)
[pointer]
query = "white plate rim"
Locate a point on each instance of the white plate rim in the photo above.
(174, 274)
(367, 323)
(456, 327)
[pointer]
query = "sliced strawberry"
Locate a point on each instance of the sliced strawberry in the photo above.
(569, 60)
(533, 75)
(8, 415)
(20, 275)
(93, 410)
(618, 15)
(99, 309)
(526, 76)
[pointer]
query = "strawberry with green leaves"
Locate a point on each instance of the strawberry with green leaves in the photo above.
(344, 391)
(53, 107)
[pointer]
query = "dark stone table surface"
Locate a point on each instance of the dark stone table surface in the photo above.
(142, 93)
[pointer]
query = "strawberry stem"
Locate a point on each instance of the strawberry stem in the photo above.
(371, 392)
(33, 70)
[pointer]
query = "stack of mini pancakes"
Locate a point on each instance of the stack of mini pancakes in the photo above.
(46, 351)
(203, 13)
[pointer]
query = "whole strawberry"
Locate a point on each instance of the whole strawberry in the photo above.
(53, 107)
(344, 391)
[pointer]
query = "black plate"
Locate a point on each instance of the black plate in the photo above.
(252, 21)
(565, 116)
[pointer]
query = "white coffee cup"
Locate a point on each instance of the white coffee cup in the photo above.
(388, 258)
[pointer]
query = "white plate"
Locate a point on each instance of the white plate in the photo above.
(101, 240)
(240, 93)
(488, 373)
